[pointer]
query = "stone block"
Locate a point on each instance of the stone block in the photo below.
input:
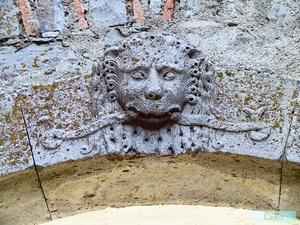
(36, 64)
(252, 96)
(15, 151)
(50, 15)
(293, 144)
(107, 13)
(21, 200)
(155, 6)
(290, 187)
(26, 80)
(219, 179)
(64, 105)
(244, 111)
(9, 24)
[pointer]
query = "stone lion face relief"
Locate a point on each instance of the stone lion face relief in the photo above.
(154, 76)
(152, 93)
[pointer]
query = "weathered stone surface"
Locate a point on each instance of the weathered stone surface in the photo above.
(156, 6)
(290, 187)
(222, 179)
(154, 9)
(33, 63)
(50, 15)
(24, 79)
(293, 144)
(64, 105)
(9, 25)
(15, 152)
(255, 96)
(199, 24)
(108, 13)
(22, 190)
(248, 102)
(283, 13)
(195, 109)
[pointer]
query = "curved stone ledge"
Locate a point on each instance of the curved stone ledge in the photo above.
(227, 180)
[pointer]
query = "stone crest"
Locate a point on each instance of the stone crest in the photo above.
(153, 94)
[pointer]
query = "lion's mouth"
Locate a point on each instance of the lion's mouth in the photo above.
(152, 119)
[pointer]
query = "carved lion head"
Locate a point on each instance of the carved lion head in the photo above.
(152, 76)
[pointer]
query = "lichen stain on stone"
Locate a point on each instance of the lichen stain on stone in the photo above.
(220, 75)
(295, 94)
(248, 99)
(277, 125)
(13, 158)
(50, 88)
(14, 141)
(35, 63)
(59, 102)
(46, 61)
(230, 73)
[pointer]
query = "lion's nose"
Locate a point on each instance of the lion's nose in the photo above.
(154, 88)
(153, 95)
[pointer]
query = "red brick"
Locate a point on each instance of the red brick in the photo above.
(28, 20)
(138, 11)
(169, 9)
(79, 8)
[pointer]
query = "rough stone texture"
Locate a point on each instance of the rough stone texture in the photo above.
(15, 152)
(40, 91)
(293, 143)
(254, 46)
(35, 64)
(51, 15)
(290, 189)
(155, 6)
(141, 109)
(22, 190)
(108, 13)
(9, 25)
(256, 96)
(48, 109)
(206, 179)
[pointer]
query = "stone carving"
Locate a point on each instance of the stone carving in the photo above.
(153, 93)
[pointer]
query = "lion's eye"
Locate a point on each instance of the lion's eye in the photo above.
(169, 75)
(139, 75)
